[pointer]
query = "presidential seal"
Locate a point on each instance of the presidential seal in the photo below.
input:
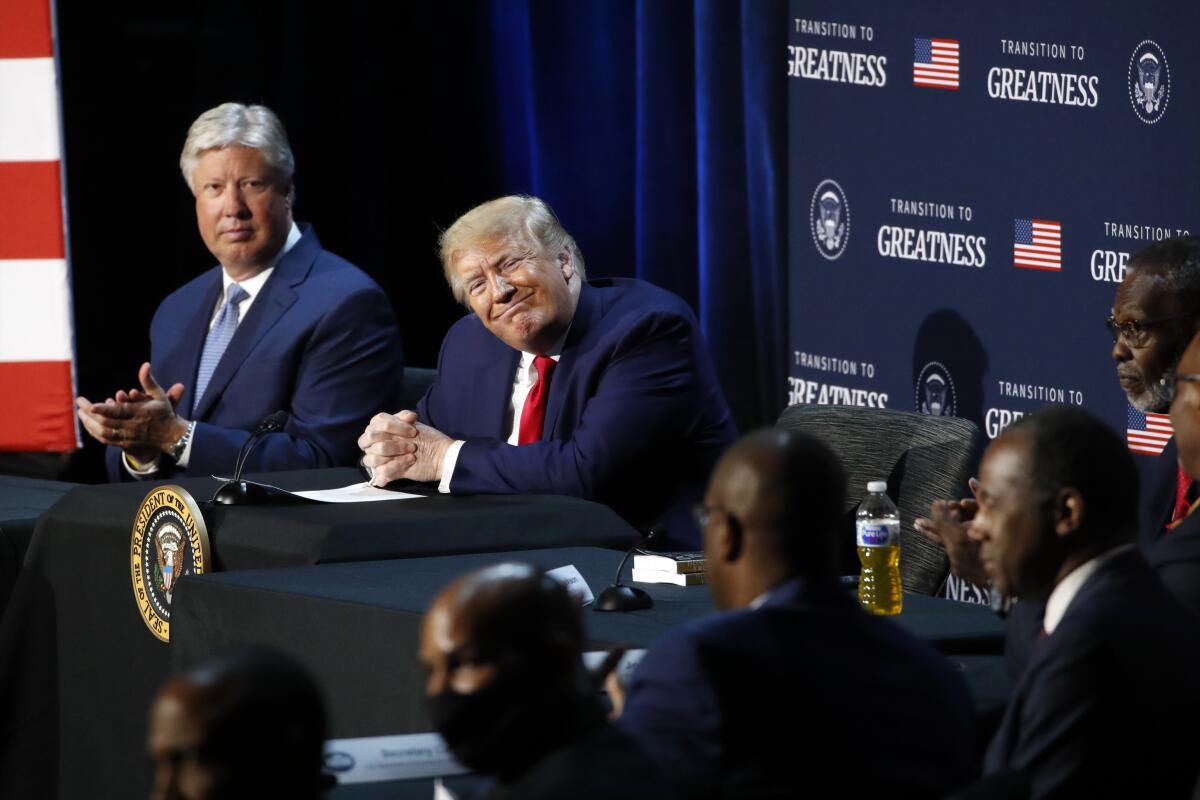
(169, 541)
(935, 395)
(1149, 82)
(830, 218)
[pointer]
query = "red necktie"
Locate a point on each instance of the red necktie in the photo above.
(534, 412)
(1182, 484)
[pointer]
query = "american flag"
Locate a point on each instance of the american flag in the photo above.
(1148, 433)
(935, 63)
(1037, 244)
(37, 409)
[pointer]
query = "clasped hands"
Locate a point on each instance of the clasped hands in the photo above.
(396, 446)
(142, 422)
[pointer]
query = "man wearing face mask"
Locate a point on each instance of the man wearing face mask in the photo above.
(508, 691)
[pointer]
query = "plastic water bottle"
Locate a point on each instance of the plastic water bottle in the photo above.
(877, 529)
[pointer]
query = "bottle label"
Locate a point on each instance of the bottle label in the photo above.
(878, 533)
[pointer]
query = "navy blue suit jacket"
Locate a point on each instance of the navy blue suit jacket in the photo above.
(1158, 478)
(1107, 704)
(320, 342)
(872, 708)
(1175, 559)
(635, 417)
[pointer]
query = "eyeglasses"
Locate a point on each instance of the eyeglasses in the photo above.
(1136, 333)
(1183, 378)
(703, 514)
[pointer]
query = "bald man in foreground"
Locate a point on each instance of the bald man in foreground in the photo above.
(870, 707)
(250, 724)
(508, 692)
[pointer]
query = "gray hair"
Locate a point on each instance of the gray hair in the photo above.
(237, 125)
(1175, 261)
(515, 216)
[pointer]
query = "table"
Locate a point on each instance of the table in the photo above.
(356, 626)
(22, 501)
(84, 667)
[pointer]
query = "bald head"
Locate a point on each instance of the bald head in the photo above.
(775, 500)
(501, 618)
(246, 724)
(506, 683)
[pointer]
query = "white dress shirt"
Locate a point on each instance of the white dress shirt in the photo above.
(523, 382)
(1064, 592)
(252, 286)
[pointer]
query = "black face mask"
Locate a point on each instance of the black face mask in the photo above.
(499, 729)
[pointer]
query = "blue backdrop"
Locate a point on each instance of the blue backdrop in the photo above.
(965, 183)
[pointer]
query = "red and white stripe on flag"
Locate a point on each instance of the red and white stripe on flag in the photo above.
(36, 372)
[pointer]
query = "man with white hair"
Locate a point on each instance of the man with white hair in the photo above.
(600, 389)
(279, 324)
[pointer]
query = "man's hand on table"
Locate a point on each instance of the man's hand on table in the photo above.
(142, 421)
(396, 446)
(947, 526)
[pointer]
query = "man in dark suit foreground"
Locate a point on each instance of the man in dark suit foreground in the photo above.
(508, 692)
(279, 325)
(1108, 699)
(606, 386)
(867, 706)
(1175, 556)
(248, 724)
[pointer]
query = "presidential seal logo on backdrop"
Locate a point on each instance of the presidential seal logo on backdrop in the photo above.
(935, 393)
(830, 217)
(169, 541)
(1149, 82)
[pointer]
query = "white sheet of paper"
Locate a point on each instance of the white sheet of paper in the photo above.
(358, 493)
(389, 758)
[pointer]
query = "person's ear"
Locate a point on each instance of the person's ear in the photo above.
(1068, 511)
(730, 538)
(566, 263)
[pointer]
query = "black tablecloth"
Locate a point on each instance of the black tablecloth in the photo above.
(22, 501)
(356, 627)
(86, 667)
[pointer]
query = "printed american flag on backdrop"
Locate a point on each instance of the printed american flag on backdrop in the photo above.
(1148, 433)
(1037, 244)
(935, 63)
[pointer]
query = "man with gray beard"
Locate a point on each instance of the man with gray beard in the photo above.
(1153, 319)
(1154, 316)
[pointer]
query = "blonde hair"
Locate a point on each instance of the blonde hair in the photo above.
(513, 217)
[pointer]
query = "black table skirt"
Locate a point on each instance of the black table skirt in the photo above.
(22, 501)
(80, 667)
(356, 627)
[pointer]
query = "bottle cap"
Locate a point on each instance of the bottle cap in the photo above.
(877, 486)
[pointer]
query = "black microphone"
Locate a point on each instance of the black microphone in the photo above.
(619, 597)
(238, 492)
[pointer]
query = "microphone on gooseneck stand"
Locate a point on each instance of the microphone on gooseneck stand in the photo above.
(238, 492)
(619, 597)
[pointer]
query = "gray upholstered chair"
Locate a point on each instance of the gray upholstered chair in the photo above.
(417, 381)
(922, 458)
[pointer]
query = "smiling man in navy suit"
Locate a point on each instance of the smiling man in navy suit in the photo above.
(280, 324)
(555, 385)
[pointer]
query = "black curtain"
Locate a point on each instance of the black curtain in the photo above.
(655, 129)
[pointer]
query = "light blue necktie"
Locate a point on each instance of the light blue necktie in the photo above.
(218, 338)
